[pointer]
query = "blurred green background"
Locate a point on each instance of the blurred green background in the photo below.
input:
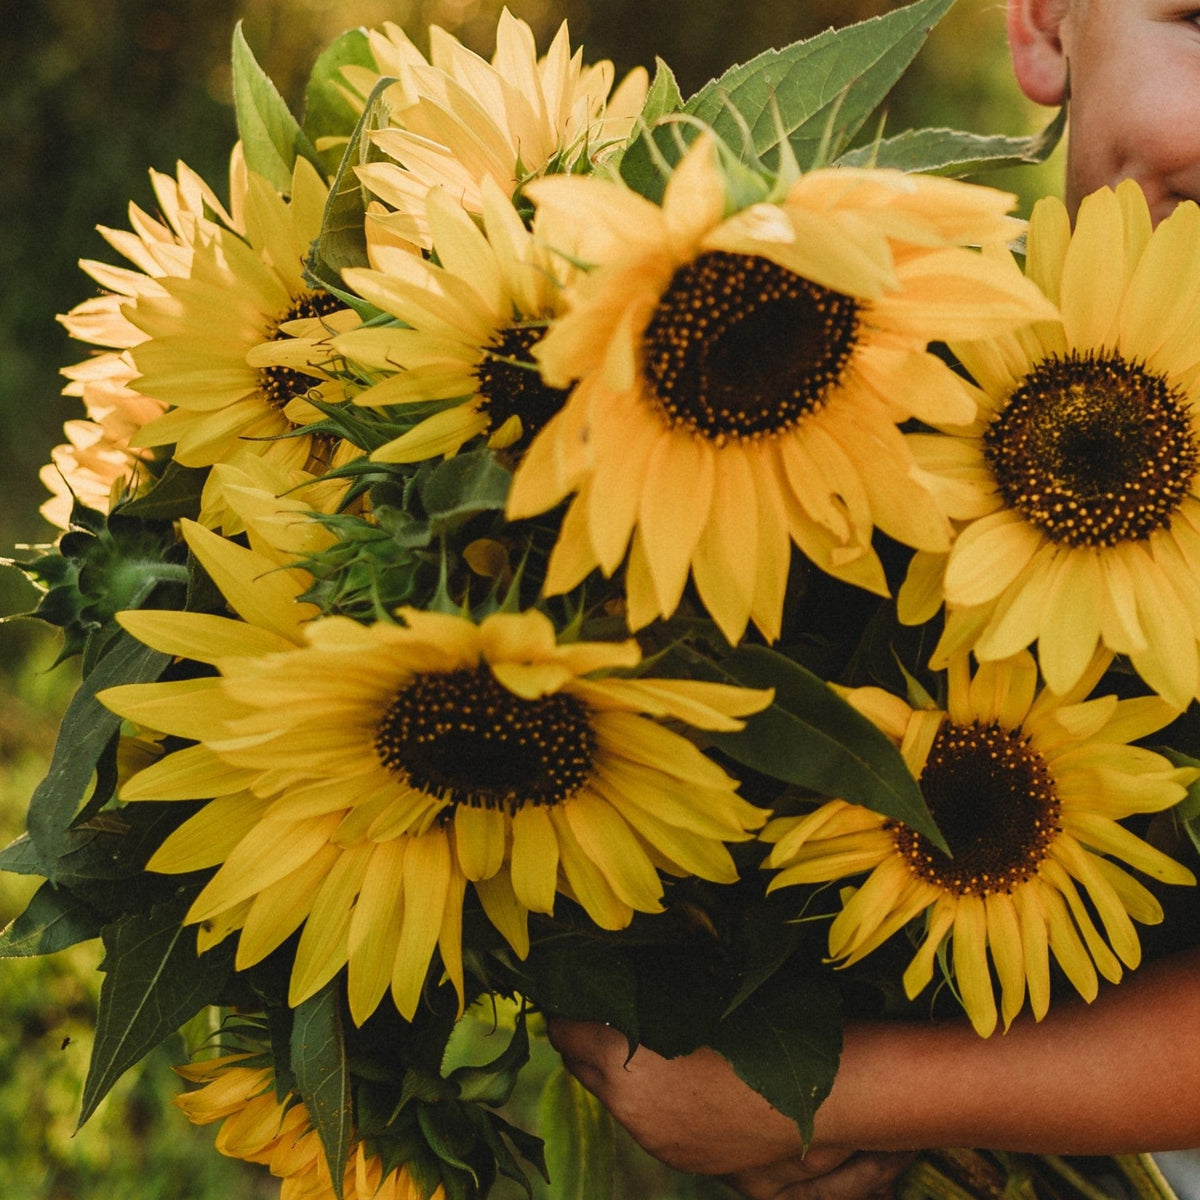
(91, 96)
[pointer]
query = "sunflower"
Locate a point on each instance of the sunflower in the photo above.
(258, 1127)
(471, 319)
(98, 463)
(741, 378)
(382, 768)
(1077, 485)
(457, 119)
(236, 346)
(1027, 788)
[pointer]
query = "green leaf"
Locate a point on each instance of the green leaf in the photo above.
(327, 111)
(462, 486)
(811, 737)
(154, 982)
(86, 730)
(813, 93)
(318, 1061)
(53, 920)
(951, 152)
(175, 495)
(342, 241)
(785, 1041)
(271, 137)
(584, 980)
(663, 97)
(580, 1146)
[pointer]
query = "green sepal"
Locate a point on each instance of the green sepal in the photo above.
(812, 738)
(955, 153)
(318, 1062)
(580, 1139)
(493, 1082)
(154, 981)
(461, 487)
(328, 112)
(175, 496)
(342, 241)
(271, 137)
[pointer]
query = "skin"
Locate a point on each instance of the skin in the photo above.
(1119, 1076)
(1135, 90)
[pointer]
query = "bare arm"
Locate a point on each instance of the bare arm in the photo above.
(1119, 1076)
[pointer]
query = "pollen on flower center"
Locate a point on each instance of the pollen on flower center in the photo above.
(1094, 450)
(510, 382)
(740, 347)
(465, 737)
(280, 385)
(995, 803)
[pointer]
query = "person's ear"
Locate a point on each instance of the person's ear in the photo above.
(1035, 41)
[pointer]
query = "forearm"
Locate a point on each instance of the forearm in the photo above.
(1119, 1076)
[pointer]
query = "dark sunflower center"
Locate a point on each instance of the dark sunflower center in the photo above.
(995, 803)
(1094, 450)
(283, 384)
(465, 737)
(740, 347)
(510, 382)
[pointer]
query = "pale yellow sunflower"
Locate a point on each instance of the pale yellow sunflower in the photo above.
(382, 768)
(1077, 485)
(257, 1127)
(1028, 789)
(98, 464)
(458, 119)
(470, 321)
(741, 377)
(237, 345)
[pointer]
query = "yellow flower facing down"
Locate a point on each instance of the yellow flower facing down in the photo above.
(457, 119)
(741, 378)
(257, 1127)
(471, 320)
(377, 770)
(1027, 788)
(236, 346)
(1077, 485)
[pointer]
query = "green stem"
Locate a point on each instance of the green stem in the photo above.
(1143, 1172)
(1079, 1182)
(923, 1181)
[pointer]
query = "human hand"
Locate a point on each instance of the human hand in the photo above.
(694, 1114)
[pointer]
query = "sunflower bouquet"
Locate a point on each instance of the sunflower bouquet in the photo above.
(481, 549)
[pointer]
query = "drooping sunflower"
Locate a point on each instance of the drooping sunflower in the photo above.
(457, 119)
(392, 765)
(1077, 485)
(258, 1127)
(236, 346)
(98, 460)
(470, 319)
(1028, 789)
(741, 377)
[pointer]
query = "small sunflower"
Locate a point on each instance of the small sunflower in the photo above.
(741, 378)
(257, 1127)
(383, 768)
(98, 462)
(1077, 486)
(457, 119)
(236, 346)
(471, 320)
(1027, 788)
